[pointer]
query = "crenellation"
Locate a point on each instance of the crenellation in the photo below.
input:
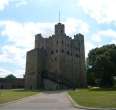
(58, 58)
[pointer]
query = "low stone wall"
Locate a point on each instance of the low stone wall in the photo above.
(8, 84)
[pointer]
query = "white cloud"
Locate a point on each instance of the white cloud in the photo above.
(104, 37)
(21, 38)
(108, 33)
(17, 3)
(3, 4)
(22, 34)
(4, 72)
(88, 46)
(74, 26)
(12, 54)
(103, 11)
(113, 41)
(21, 3)
(98, 36)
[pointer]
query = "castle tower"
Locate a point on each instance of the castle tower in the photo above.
(56, 62)
(59, 29)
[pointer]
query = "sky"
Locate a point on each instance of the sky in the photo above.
(20, 20)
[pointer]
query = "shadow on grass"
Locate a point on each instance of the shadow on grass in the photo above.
(102, 89)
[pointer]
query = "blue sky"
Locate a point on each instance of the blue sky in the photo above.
(20, 20)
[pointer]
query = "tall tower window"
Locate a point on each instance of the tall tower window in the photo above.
(77, 55)
(62, 51)
(67, 45)
(56, 50)
(68, 52)
(55, 59)
(52, 52)
(62, 42)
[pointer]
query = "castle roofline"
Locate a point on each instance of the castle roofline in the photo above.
(59, 23)
(59, 29)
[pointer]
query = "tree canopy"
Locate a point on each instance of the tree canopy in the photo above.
(101, 65)
(10, 77)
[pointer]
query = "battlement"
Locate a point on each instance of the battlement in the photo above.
(58, 55)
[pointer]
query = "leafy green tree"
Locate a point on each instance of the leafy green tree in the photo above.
(90, 78)
(102, 62)
(104, 69)
(10, 77)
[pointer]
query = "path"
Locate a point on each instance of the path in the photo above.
(45, 101)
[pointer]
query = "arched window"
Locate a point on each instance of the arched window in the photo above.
(52, 52)
(55, 59)
(77, 55)
(56, 50)
(62, 42)
(57, 42)
(62, 51)
(68, 53)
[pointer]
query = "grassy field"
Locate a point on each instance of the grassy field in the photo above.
(10, 95)
(105, 98)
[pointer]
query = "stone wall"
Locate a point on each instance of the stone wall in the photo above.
(8, 84)
(58, 55)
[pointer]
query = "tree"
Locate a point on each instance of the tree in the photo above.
(103, 62)
(104, 69)
(10, 77)
(90, 77)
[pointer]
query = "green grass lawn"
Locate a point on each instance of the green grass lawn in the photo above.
(105, 98)
(14, 94)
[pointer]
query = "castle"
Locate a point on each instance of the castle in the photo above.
(57, 62)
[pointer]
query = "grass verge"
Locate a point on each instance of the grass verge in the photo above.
(101, 98)
(14, 94)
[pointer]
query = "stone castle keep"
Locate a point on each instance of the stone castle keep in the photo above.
(57, 62)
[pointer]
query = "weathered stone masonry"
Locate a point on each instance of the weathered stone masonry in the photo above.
(56, 62)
